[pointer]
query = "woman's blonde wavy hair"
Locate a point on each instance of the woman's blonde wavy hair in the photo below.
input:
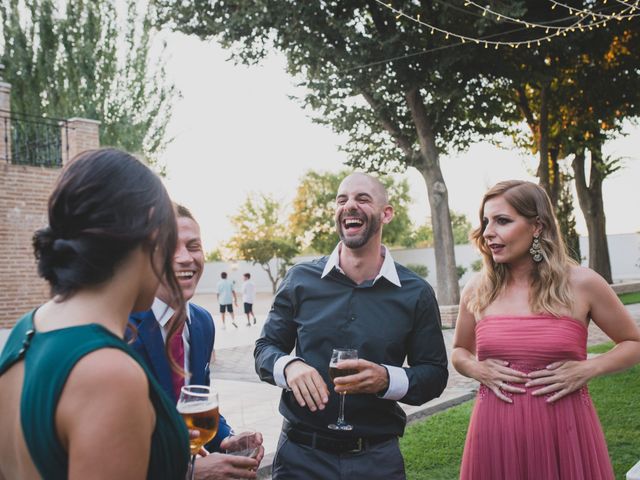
(550, 290)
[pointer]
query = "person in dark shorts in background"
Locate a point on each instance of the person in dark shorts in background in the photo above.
(227, 295)
(249, 297)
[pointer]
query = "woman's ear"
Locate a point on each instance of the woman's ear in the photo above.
(538, 227)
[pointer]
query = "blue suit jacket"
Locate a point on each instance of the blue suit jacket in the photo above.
(149, 344)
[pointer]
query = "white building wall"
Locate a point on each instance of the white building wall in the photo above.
(624, 250)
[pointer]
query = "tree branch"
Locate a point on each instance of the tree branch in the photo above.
(423, 125)
(543, 141)
(389, 125)
(523, 103)
(578, 171)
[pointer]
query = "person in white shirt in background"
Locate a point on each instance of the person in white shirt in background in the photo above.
(226, 295)
(249, 297)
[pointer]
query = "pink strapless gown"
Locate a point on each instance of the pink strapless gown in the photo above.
(531, 439)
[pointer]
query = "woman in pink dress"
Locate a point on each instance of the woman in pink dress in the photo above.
(522, 333)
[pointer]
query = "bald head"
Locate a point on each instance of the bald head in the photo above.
(365, 182)
(362, 207)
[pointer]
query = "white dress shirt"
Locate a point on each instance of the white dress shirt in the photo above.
(398, 380)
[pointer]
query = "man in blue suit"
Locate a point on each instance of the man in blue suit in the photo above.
(197, 337)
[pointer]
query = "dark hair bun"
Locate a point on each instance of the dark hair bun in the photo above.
(43, 241)
(71, 263)
(105, 204)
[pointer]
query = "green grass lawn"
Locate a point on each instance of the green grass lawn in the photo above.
(432, 448)
(600, 348)
(629, 298)
(616, 399)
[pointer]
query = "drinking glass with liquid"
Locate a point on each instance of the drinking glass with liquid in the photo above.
(337, 356)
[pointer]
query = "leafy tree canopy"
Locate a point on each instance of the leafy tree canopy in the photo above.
(262, 236)
(214, 255)
(574, 95)
(81, 59)
(422, 236)
(461, 228)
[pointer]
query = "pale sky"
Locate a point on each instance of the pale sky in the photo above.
(236, 132)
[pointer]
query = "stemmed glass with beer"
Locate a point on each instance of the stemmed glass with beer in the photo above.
(338, 355)
(198, 405)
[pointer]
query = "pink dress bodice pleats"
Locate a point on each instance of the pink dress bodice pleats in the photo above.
(532, 439)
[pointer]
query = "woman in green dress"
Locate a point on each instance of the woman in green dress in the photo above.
(75, 402)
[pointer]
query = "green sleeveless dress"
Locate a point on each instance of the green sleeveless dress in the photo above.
(49, 358)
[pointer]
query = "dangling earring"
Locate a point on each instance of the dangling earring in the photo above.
(536, 250)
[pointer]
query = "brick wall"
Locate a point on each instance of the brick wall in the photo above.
(81, 135)
(23, 198)
(24, 192)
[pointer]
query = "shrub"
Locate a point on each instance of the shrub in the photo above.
(419, 268)
(461, 271)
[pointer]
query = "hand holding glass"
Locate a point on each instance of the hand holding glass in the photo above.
(198, 405)
(337, 356)
(245, 444)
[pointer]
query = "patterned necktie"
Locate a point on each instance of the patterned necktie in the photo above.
(176, 350)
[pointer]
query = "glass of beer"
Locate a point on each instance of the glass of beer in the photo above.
(338, 355)
(198, 405)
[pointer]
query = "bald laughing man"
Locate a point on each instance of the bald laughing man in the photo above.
(357, 297)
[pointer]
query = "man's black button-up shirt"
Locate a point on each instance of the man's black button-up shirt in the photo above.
(386, 323)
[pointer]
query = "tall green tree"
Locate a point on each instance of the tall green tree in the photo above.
(573, 94)
(422, 236)
(263, 237)
(400, 95)
(605, 92)
(461, 228)
(79, 58)
(566, 217)
(312, 220)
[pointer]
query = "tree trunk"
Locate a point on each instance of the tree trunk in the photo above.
(447, 277)
(274, 281)
(554, 180)
(543, 141)
(592, 206)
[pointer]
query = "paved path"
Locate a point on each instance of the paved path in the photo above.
(248, 403)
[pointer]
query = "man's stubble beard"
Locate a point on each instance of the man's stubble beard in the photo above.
(373, 226)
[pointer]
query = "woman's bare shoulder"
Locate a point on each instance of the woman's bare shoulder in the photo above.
(583, 278)
(108, 369)
(112, 362)
(468, 294)
(472, 284)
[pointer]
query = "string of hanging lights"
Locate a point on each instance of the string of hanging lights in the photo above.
(577, 25)
(575, 14)
(631, 7)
